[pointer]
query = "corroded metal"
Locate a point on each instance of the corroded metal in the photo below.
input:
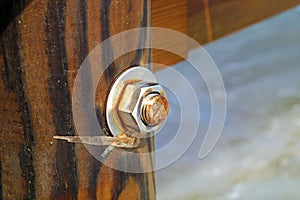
(128, 108)
(121, 140)
(154, 109)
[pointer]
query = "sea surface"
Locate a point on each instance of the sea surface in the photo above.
(258, 154)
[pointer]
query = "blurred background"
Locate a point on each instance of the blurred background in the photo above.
(258, 154)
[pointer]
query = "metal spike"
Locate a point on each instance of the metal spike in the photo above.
(121, 140)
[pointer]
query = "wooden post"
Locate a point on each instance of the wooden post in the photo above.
(42, 48)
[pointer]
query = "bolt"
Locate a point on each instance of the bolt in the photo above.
(143, 107)
(136, 103)
(154, 109)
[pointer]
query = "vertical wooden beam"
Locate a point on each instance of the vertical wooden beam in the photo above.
(42, 48)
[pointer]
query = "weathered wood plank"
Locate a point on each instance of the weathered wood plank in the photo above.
(17, 141)
(207, 20)
(230, 16)
(172, 15)
(42, 49)
(227, 16)
(77, 48)
(36, 73)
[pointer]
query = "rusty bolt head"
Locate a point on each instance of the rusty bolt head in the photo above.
(143, 107)
(154, 109)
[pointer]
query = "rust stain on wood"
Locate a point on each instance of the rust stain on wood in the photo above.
(105, 188)
(131, 191)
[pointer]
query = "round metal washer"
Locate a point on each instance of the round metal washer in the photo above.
(132, 74)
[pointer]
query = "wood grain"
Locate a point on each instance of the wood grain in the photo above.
(208, 20)
(42, 48)
(172, 15)
(228, 16)
(11, 120)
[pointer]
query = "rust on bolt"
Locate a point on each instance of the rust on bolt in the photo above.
(154, 109)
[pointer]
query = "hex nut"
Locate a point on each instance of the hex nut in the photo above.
(126, 103)
(130, 106)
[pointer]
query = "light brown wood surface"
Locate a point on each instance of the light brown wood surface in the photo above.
(208, 20)
(172, 15)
